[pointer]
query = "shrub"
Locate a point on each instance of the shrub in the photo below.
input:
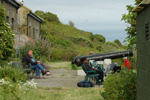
(99, 48)
(118, 42)
(120, 86)
(14, 74)
(40, 47)
(74, 67)
(6, 36)
(48, 16)
(91, 36)
(15, 91)
(82, 39)
(99, 38)
(71, 23)
(112, 44)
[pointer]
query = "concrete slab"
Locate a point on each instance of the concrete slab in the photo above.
(80, 72)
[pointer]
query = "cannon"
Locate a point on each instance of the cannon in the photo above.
(101, 57)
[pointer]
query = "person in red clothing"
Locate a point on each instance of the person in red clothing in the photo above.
(127, 63)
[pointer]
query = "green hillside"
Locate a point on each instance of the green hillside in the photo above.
(69, 41)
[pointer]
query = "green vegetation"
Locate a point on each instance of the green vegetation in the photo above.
(130, 19)
(68, 41)
(120, 86)
(6, 37)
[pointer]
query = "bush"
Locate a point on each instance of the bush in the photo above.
(118, 42)
(120, 86)
(6, 37)
(48, 16)
(40, 47)
(99, 48)
(82, 39)
(71, 23)
(74, 67)
(91, 36)
(112, 44)
(14, 74)
(99, 38)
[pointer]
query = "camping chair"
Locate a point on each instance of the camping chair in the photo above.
(92, 76)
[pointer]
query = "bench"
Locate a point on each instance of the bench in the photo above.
(26, 70)
(93, 76)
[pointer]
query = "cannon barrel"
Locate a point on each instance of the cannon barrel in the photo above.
(101, 57)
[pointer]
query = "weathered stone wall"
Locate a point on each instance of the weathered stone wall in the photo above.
(33, 27)
(11, 12)
(22, 19)
(143, 54)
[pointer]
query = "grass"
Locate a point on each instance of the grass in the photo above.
(66, 65)
(70, 94)
(59, 93)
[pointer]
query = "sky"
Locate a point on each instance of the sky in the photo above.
(96, 16)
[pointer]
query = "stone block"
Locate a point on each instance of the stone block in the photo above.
(80, 72)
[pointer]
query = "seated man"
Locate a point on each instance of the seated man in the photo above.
(26, 61)
(89, 68)
(47, 73)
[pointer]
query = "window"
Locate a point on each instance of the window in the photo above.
(24, 31)
(7, 19)
(147, 31)
(33, 33)
(12, 23)
(29, 32)
(37, 35)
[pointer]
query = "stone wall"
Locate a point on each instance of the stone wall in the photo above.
(143, 54)
(11, 12)
(22, 19)
(33, 27)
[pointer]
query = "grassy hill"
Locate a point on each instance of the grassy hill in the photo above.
(69, 42)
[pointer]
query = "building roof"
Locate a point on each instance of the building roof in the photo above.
(13, 3)
(35, 17)
(141, 6)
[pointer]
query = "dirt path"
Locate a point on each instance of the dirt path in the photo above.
(61, 78)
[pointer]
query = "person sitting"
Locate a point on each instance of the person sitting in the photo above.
(47, 73)
(127, 63)
(28, 63)
(88, 67)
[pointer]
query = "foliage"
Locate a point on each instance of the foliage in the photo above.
(91, 36)
(112, 44)
(99, 37)
(71, 23)
(120, 86)
(99, 48)
(130, 19)
(40, 47)
(6, 37)
(82, 39)
(47, 16)
(13, 91)
(118, 42)
(14, 74)
(69, 42)
(74, 67)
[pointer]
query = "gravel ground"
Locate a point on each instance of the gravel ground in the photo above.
(61, 78)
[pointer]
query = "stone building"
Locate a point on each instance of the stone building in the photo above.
(143, 50)
(28, 23)
(21, 19)
(11, 7)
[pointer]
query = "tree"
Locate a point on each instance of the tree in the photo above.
(71, 23)
(130, 19)
(6, 36)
